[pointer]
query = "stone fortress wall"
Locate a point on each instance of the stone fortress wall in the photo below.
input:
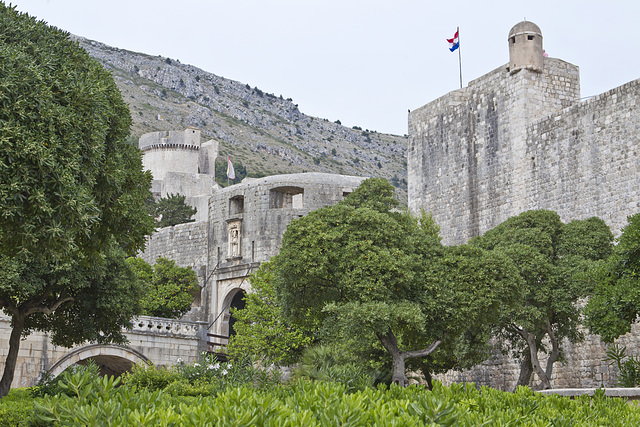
(236, 228)
(516, 140)
(246, 224)
(583, 161)
(520, 138)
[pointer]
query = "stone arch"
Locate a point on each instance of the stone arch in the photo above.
(111, 359)
(233, 299)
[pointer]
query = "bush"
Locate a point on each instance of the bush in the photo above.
(150, 377)
(321, 363)
(17, 409)
(316, 403)
(206, 377)
(47, 385)
(628, 366)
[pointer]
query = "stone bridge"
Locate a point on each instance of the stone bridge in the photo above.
(152, 339)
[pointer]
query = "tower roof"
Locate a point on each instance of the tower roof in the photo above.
(525, 27)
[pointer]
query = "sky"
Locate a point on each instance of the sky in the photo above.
(363, 62)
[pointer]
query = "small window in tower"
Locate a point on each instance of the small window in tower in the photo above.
(513, 40)
(529, 37)
(286, 197)
(236, 205)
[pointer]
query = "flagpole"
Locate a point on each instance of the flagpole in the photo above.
(459, 56)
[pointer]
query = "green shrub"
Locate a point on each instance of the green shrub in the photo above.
(323, 363)
(241, 371)
(315, 403)
(150, 377)
(17, 409)
(206, 377)
(47, 385)
(628, 366)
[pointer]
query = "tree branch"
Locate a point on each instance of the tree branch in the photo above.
(422, 353)
(520, 331)
(48, 310)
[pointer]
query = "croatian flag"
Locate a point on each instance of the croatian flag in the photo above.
(231, 173)
(454, 43)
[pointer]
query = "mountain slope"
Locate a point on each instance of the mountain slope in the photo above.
(266, 133)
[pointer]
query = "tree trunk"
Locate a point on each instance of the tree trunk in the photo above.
(526, 370)
(12, 356)
(428, 378)
(398, 371)
(545, 382)
(390, 343)
(555, 350)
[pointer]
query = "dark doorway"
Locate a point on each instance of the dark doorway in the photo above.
(237, 303)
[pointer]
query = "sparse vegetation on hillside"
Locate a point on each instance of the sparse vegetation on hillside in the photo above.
(266, 133)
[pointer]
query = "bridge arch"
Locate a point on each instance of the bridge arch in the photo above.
(111, 359)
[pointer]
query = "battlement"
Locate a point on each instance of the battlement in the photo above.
(189, 139)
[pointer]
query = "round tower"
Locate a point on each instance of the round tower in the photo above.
(525, 47)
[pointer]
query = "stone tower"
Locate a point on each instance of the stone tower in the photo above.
(525, 47)
(180, 164)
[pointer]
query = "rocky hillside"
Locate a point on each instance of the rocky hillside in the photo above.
(266, 133)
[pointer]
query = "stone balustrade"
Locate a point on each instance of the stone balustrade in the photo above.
(162, 326)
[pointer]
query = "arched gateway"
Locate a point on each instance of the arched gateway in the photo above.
(111, 359)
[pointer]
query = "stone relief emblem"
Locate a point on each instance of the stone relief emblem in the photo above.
(234, 239)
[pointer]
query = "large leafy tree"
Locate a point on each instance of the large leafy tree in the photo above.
(168, 289)
(72, 191)
(360, 268)
(615, 302)
(551, 258)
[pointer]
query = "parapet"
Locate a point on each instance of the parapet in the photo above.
(189, 139)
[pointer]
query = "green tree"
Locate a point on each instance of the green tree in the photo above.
(72, 191)
(173, 210)
(615, 302)
(169, 289)
(361, 269)
(260, 327)
(551, 258)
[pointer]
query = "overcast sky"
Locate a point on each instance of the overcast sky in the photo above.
(364, 62)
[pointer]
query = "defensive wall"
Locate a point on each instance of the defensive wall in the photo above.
(520, 138)
(246, 224)
(468, 156)
(244, 228)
